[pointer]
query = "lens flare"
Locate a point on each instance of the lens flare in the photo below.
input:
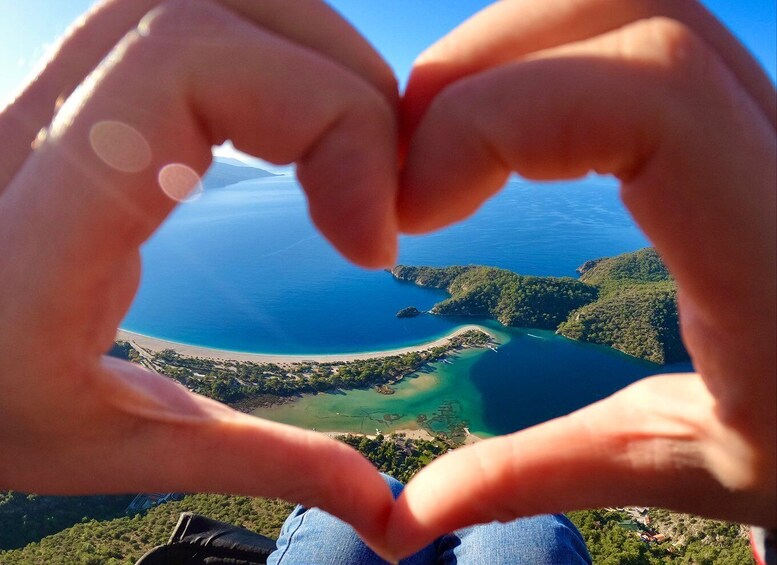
(181, 183)
(120, 146)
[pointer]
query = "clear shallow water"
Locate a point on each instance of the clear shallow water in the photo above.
(533, 376)
(243, 269)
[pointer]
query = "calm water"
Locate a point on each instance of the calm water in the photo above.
(243, 269)
(534, 376)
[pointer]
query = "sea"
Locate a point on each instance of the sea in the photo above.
(242, 268)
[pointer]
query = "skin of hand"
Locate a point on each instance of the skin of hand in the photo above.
(655, 92)
(129, 107)
(660, 95)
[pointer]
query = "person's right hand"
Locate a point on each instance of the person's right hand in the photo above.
(288, 81)
(660, 95)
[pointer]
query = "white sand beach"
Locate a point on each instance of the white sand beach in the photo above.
(155, 344)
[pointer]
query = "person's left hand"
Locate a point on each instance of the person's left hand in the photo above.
(287, 81)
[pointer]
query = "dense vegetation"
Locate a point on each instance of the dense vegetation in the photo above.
(639, 320)
(125, 539)
(628, 302)
(27, 518)
(637, 309)
(638, 268)
(247, 384)
(613, 538)
(409, 312)
(512, 299)
(397, 455)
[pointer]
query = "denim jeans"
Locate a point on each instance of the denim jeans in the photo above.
(312, 537)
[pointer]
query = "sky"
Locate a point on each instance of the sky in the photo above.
(399, 29)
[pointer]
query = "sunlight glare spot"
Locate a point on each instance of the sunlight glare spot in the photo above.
(120, 146)
(181, 183)
(144, 26)
(43, 134)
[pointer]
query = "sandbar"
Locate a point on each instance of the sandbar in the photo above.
(155, 344)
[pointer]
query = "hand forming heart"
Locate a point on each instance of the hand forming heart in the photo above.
(657, 93)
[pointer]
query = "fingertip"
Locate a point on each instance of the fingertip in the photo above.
(381, 255)
(451, 167)
(417, 213)
(446, 196)
(386, 243)
(367, 238)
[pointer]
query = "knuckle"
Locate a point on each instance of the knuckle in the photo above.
(449, 102)
(181, 28)
(674, 47)
(451, 110)
(366, 116)
(367, 105)
(672, 40)
(170, 40)
(175, 18)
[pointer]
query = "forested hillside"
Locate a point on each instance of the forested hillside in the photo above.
(613, 537)
(637, 309)
(512, 299)
(628, 302)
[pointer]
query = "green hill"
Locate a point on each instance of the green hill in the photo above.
(512, 299)
(640, 321)
(638, 268)
(628, 302)
(125, 539)
(637, 309)
(26, 518)
(611, 535)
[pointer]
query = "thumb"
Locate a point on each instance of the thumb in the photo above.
(654, 443)
(148, 433)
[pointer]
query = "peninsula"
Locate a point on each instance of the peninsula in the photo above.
(628, 302)
(246, 380)
(225, 172)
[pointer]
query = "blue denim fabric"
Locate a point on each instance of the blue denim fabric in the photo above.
(313, 537)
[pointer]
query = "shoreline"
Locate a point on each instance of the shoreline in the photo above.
(156, 345)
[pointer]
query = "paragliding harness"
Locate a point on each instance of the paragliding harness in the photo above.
(198, 540)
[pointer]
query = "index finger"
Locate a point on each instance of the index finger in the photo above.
(511, 29)
(127, 146)
(309, 23)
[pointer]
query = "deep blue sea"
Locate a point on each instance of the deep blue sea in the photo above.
(243, 269)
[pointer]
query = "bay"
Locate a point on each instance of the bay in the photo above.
(243, 269)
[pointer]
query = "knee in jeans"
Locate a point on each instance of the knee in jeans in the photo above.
(395, 486)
